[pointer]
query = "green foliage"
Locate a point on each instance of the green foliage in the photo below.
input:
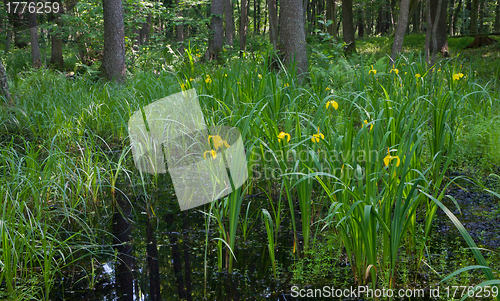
(319, 264)
(479, 150)
(348, 189)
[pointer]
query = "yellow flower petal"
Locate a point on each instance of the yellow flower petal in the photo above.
(366, 123)
(282, 135)
(218, 142)
(211, 152)
(333, 103)
(387, 159)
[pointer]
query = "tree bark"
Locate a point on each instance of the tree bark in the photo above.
(19, 28)
(397, 45)
(8, 40)
(4, 87)
(442, 28)
(360, 25)
(416, 15)
(293, 35)
(428, 33)
(56, 51)
(114, 41)
(217, 29)
(435, 24)
(331, 16)
(36, 57)
(348, 26)
(473, 16)
(244, 25)
(228, 15)
(144, 31)
(481, 17)
(454, 18)
(273, 22)
(305, 6)
(369, 18)
(436, 36)
(179, 30)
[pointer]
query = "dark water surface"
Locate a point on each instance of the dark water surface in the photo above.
(163, 258)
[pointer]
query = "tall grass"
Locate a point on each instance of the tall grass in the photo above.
(366, 166)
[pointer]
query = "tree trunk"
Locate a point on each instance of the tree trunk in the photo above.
(348, 26)
(416, 13)
(179, 30)
(273, 22)
(441, 35)
(361, 25)
(454, 18)
(331, 16)
(428, 33)
(369, 18)
(481, 17)
(244, 25)
(217, 29)
(473, 16)
(8, 40)
(19, 28)
(397, 46)
(305, 6)
(228, 15)
(56, 51)
(435, 24)
(496, 27)
(114, 41)
(36, 57)
(144, 31)
(256, 17)
(293, 35)
(4, 87)
(436, 35)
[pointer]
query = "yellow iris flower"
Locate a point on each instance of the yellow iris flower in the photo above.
(372, 71)
(389, 158)
(282, 135)
(208, 79)
(333, 103)
(458, 76)
(218, 142)
(210, 152)
(315, 137)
